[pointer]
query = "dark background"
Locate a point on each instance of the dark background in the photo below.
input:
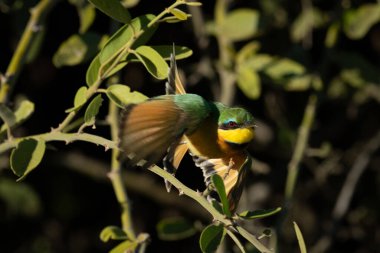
(64, 204)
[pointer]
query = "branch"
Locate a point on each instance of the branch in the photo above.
(38, 14)
(205, 204)
(58, 136)
(299, 150)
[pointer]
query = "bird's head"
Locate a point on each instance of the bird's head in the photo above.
(236, 126)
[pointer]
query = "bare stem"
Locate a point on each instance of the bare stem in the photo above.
(116, 176)
(302, 140)
(58, 136)
(34, 26)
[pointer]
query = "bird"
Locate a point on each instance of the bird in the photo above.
(169, 126)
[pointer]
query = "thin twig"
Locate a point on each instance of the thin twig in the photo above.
(33, 27)
(302, 140)
(236, 240)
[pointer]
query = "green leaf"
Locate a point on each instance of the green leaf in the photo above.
(240, 24)
(126, 246)
(153, 62)
(358, 22)
(332, 35)
(304, 24)
(165, 51)
(120, 39)
(300, 239)
(7, 115)
(112, 233)
(220, 189)
(258, 214)
(283, 68)
(121, 95)
(26, 156)
(247, 51)
(80, 99)
(258, 62)
(211, 237)
(248, 81)
(113, 9)
(86, 17)
(298, 83)
(175, 228)
(93, 110)
(129, 3)
(22, 113)
(179, 14)
(76, 49)
(194, 3)
(93, 71)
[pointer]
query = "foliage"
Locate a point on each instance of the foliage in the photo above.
(269, 52)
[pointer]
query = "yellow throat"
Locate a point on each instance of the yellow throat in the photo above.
(237, 136)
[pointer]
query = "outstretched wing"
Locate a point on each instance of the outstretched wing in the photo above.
(149, 129)
(232, 170)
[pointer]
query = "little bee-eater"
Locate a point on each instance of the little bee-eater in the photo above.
(168, 126)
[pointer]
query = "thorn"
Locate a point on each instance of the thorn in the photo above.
(180, 192)
(106, 148)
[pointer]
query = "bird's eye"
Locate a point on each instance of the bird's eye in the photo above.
(231, 124)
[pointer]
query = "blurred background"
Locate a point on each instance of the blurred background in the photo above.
(291, 63)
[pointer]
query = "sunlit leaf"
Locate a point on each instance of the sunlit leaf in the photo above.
(248, 81)
(119, 40)
(7, 115)
(300, 239)
(129, 3)
(152, 61)
(165, 51)
(240, 24)
(86, 17)
(211, 237)
(80, 99)
(284, 67)
(126, 246)
(257, 214)
(93, 110)
(179, 14)
(76, 49)
(112, 233)
(22, 113)
(218, 183)
(358, 22)
(304, 24)
(247, 51)
(175, 228)
(121, 95)
(193, 3)
(332, 35)
(114, 9)
(93, 74)
(26, 156)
